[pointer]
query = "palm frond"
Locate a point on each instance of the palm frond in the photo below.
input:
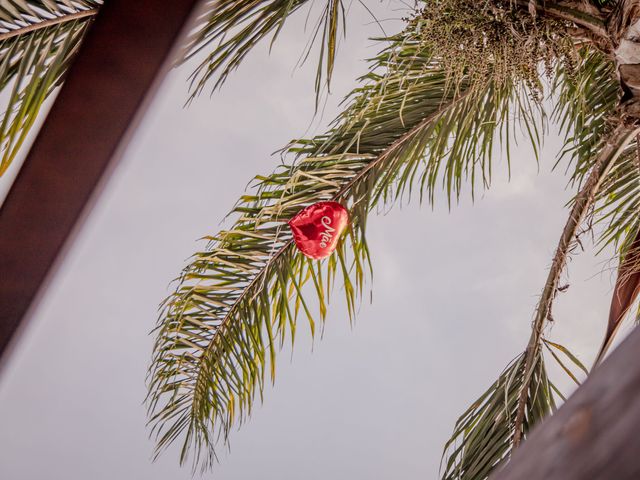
(587, 98)
(483, 435)
(19, 17)
(232, 28)
(38, 40)
(618, 208)
(468, 458)
(585, 95)
(587, 102)
(407, 129)
(561, 355)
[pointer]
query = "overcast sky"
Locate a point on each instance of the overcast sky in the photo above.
(453, 297)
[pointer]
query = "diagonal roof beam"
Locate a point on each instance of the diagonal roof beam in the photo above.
(128, 49)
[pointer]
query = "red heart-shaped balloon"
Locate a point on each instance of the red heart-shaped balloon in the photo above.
(317, 228)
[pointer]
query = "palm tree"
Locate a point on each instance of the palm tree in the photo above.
(460, 80)
(460, 76)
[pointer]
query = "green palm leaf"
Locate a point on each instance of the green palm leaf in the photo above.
(232, 28)
(483, 435)
(619, 202)
(38, 40)
(585, 97)
(465, 451)
(408, 129)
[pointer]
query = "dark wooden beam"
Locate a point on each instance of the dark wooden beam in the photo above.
(594, 435)
(124, 53)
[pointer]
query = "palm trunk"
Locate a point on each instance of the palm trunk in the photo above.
(624, 31)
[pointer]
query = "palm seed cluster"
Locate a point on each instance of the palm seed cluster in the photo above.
(494, 40)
